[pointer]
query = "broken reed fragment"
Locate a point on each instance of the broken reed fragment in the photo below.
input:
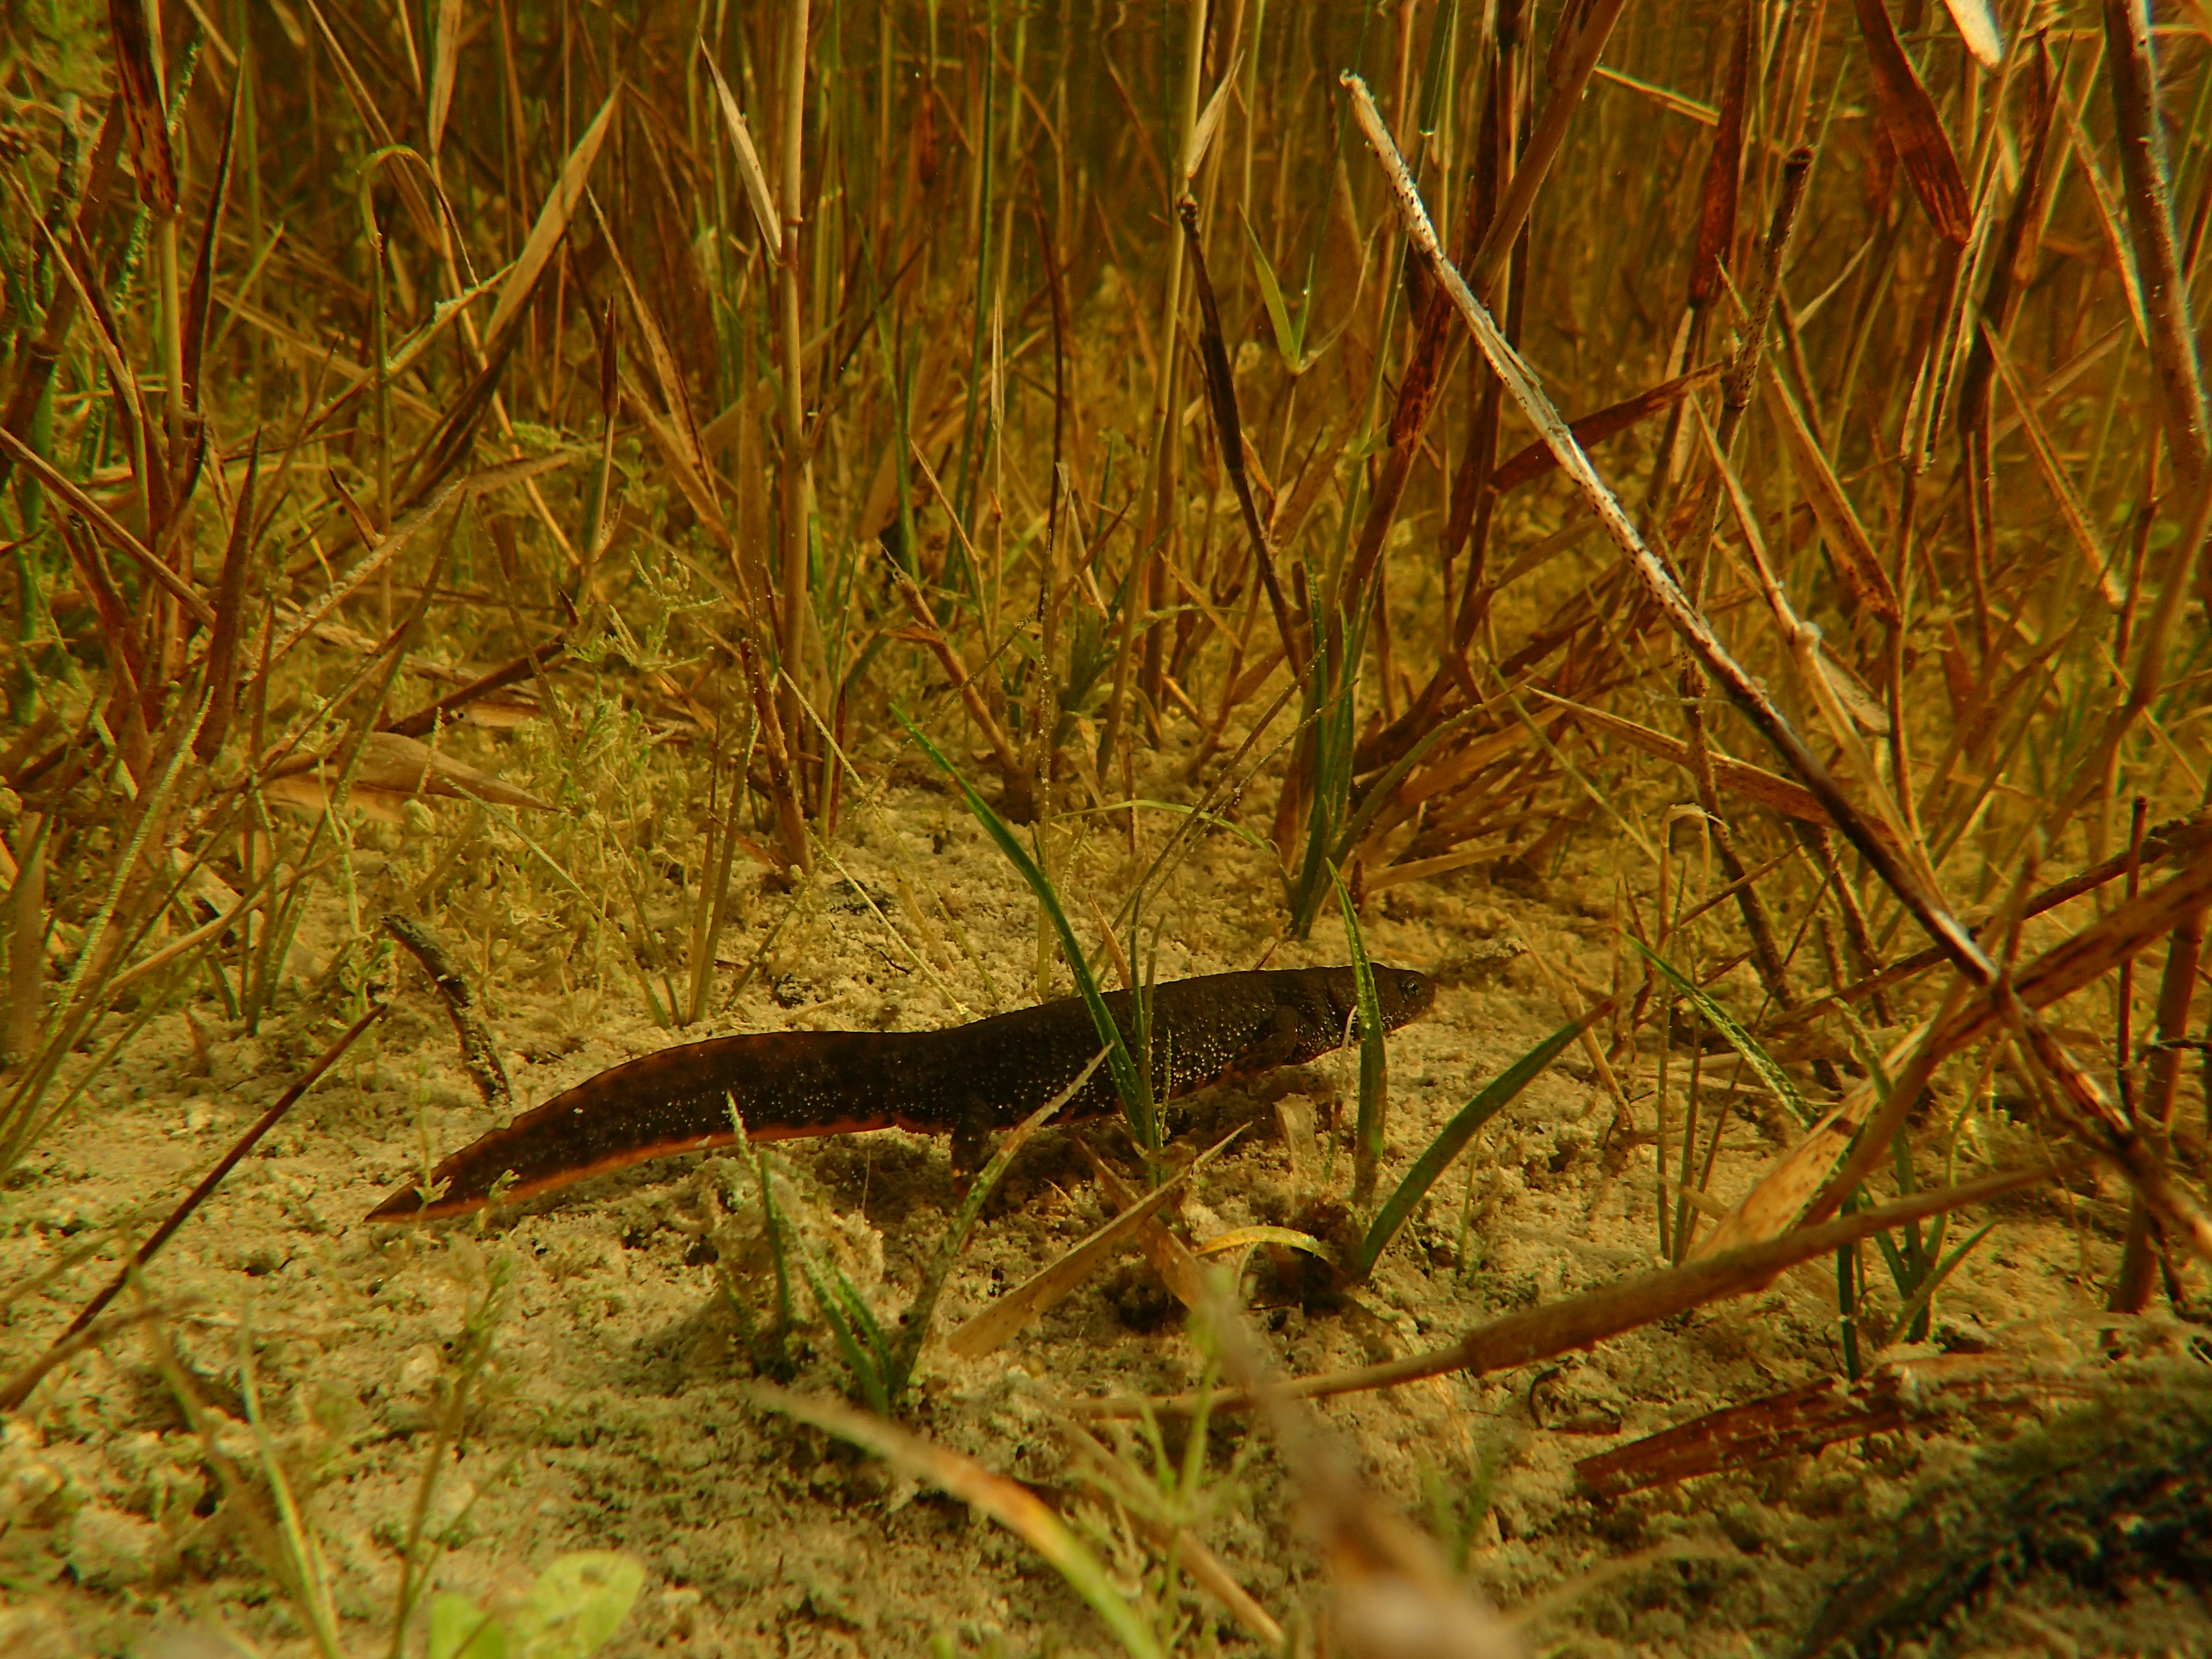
(1800, 1421)
(966, 1080)
(480, 1052)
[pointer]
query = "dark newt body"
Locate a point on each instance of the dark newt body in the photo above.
(965, 1080)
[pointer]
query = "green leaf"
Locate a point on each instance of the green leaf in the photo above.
(858, 1311)
(1925, 1290)
(578, 1602)
(1738, 1039)
(1374, 1064)
(459, 1629)
(864, 1362)
(1332, 689)
(1289, 340)
(1440, 1152)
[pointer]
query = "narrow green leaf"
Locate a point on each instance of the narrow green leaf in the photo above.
(1738, 1039)
(1901, 1270)
(1290, 340)
(1244, 833)
(1127, 1083)
(858, 1311)
(867, 1371)
(1927, 1288)
(1447, 1147)
(772, 1224)
(1374, 1065)
(1330, 721)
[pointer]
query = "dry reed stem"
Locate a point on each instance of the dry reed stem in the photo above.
(2089, 1113)
(1584, 1321)
(2065, 969)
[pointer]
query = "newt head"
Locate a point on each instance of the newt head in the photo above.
(1403, 995)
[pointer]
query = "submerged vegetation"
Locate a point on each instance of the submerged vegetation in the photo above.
(565, 473)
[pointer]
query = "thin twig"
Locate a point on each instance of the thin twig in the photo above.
(479, 1051)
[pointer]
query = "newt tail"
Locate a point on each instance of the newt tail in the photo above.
(965, 1080)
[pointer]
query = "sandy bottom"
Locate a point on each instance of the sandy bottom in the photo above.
(613, 1412)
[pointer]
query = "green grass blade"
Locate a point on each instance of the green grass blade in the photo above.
(1009, 1504)
(1924, 1293)
(1368, 1138)
(1738, 1039)
(1332, 690)
(866, 1366)
(1440, 1152)
(772, 1224)
(1290, 339)
(1901, 1270)
(1127, 1083)
(863, 1317)
(908, 1351)
(1245, 833)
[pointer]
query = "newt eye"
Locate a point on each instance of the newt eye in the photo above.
(1409, 993)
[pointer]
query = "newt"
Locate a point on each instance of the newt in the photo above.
(964, 1080)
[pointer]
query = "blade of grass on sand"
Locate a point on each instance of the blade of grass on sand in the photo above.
(1783, 1085)
(854, 1325)
(1009, 1313)
(774, 1227)
(1924, 1291)
(1012, 1505)
(955, 1234)
(1437, 1157)
(1368, 1137)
